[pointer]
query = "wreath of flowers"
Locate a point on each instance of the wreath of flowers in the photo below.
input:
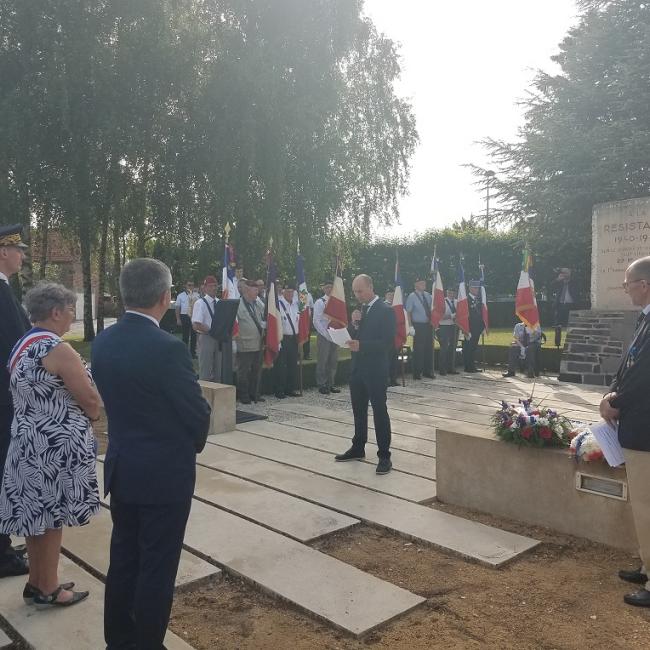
(531, 426)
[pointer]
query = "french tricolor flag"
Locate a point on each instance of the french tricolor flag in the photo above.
(484, 305)
(398, 308)
(437, 293)
(336, 308)
(462, 308)
(273, 321)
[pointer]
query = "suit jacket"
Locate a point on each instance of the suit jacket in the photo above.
(632, 388)
(476, 324)
(375, 334)
(157, 417)
(13, 324)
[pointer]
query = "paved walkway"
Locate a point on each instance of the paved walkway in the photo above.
(268, 489)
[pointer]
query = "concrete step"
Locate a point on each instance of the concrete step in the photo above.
(280, 512)
(323, 586)
(490, 546)
(403, 461)
(90, 546)
(68, 628)
(344, 430)
(404, 486)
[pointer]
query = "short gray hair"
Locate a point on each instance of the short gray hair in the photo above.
(143, 281)
(45, 297)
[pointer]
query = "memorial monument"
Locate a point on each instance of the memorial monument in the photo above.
(596, 338)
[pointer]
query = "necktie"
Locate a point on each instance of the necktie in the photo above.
(526, 338)
(640, 320)
(364, 311)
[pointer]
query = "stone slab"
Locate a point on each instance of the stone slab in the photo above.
(333, 591)
(344, 430)
(341, 414)
(80, 627)
(280, 512)
(403, 461)
(90, 545)
(470, 539)
(404, 486)
(5, 641)
(221, 398)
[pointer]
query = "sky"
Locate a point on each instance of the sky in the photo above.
(465, 68)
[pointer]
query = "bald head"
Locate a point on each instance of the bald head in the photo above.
(639, 269)
(363, 288)
(637, 282)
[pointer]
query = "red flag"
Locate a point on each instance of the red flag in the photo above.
(462, 308)
(336, 308)
(525, 301)
(273, 321)
(400, 312)
(438, 297)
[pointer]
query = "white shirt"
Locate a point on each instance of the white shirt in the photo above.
(310, 299)
(289, 315)
(646, 309)
(449, 317)
(185, 301)
(201, 314)
(321, 322)
(4, 277)
(139, 313)
(371, 303)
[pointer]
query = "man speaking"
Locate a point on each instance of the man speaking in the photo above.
(371, 346)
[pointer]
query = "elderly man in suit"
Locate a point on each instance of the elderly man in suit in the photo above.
(628, 403)
(371, 346)
(157, 423)
(13, 324)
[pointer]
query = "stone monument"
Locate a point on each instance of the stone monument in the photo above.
(596, 338)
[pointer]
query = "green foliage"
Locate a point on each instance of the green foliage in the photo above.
(586, 135)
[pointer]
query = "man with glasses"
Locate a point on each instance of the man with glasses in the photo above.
(628, 404)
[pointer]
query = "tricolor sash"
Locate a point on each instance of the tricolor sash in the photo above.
(34, 335)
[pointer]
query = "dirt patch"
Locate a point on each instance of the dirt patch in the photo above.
(562, 595)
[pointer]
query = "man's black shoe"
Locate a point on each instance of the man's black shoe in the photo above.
(636, 577)
(280, 395)
(245, 400)
(417, 377)
(429, 376)
(508, 374)
(639, 599)
(454, 372)
(334, 389)
(323, 390)
(442, 373)
(13, 565)
(384, 466)
(294, 393)
(393, 383)
(350, 454)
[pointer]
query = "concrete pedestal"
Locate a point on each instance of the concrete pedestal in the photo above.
(535, 486)
(221, 398)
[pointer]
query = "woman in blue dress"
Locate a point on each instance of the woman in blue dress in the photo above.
(50, 479)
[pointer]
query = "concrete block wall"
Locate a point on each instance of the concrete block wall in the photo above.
(595, 343)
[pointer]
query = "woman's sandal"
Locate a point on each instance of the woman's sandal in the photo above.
(30, 591)
(41, 601)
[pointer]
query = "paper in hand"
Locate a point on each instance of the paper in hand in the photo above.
(340, 336)
(607, 437)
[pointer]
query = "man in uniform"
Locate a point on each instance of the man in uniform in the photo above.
(327, 350)
(476, 327)
(13, 324)
(184, 304)
(285, 367)
(418, 307)
(208, 348)
(448, 335)
(526, 346)
(249, 344)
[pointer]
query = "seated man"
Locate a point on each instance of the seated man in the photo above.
(526, 346)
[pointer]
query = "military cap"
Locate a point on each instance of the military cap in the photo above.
(12, 236)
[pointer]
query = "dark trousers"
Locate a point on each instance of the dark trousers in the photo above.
(6, 417)
(285, 369)
(249, 368)
(306, 348)
(393, 368)
(145, 550)
(189, 335)
(562, 314)
(448, 337)
(531, 359)
(469, 351)
(370, 389)
(423, 349)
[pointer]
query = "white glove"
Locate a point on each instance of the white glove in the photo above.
(411, 331)
(263, 324)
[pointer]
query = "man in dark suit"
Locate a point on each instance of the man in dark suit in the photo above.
(371, 346)
(476, 327)
(628, 402)
(157, 422)
(13, 324)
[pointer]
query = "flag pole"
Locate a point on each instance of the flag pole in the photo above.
(301, 351)
(483, 332)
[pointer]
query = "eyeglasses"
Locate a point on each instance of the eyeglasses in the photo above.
(626, 284)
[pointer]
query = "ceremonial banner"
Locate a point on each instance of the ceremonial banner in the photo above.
(462, 308)
(336, 308)
(484, 305)
(525, 301)
(398, 308)
(273, 320)
(438, 294)
(304, 319)
(229, 287)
